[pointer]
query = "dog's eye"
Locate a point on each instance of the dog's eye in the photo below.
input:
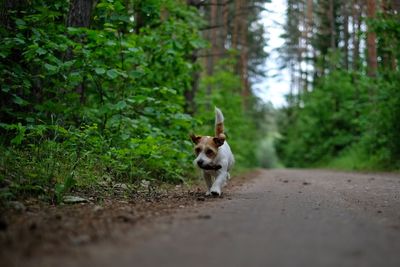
(209, 152)
(197, 150)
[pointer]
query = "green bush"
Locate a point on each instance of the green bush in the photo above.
(348, 121)
(79, 104)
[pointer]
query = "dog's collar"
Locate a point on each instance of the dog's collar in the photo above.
(214, 168)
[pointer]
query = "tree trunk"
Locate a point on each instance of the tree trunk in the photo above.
(212, 38)
(244, 55)
(79, 15)
(190, 94)
(346, 35)
(332, 31)
(225, 15)
(356, 13)
(301, 48)
(308, 50)
(371, 41)
(236, 23)
(214, 31)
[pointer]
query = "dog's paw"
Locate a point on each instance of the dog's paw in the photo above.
(208, 193)
(216, 192)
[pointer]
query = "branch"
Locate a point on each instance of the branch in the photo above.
(209, 27)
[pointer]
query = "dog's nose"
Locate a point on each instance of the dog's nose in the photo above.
(200, 162)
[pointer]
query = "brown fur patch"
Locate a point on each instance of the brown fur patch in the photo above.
(207, 143)
(219, 128)
(195, 138)
(219, 141)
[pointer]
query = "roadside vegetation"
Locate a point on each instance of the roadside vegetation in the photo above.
(107, 92)
(344, 106)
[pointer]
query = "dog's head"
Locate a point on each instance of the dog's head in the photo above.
(206, 150)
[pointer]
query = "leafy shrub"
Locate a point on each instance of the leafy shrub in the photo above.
(348, 121)
(79, 104)
(326, 124)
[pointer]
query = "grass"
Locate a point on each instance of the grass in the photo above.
(356, 159)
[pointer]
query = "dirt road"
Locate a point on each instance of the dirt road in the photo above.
(281, 218)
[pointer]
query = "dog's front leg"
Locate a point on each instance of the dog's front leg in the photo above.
(220, 181)
(207, 177)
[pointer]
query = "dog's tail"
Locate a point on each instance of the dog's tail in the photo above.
(219, 123)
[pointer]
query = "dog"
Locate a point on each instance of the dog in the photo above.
(214, 157)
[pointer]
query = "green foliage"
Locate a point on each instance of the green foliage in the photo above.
(354, 158)
(345, 124)
(349, 118)
(80, 104)
(84, 106)
(324, 126)
(382, 138)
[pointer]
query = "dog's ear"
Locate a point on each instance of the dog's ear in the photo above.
(195, 138)
(219, 141)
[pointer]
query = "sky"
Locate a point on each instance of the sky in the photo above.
(274, 87)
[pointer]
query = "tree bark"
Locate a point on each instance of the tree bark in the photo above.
(302, 47)
(225, 14)
(236, 23)
(308, 50)
(190, 94)
(214, 31)
(212, 38)
(79, 15)
(244, 57)
(332, 31)
(356, 13)
(372, 62)
(346, 35)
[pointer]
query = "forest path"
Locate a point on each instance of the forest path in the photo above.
(280, 218)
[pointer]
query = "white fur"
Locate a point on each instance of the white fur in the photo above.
(224, 158)
(219, 117)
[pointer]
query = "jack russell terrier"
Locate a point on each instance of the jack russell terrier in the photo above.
(214, 157)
